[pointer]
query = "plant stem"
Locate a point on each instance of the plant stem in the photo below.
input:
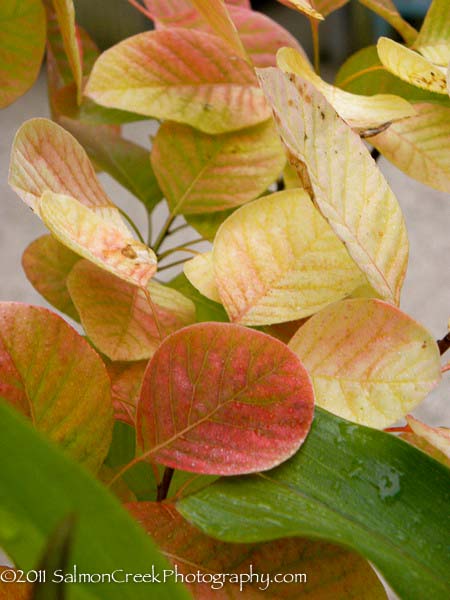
(444, 344)
(181, 248)
(178, 228)
(149, 229)
(163, 486)
(132, 224)
(375, 154)
(174, 264)
(164, 231)
(316, 43)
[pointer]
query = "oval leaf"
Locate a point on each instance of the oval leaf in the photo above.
(200, 272)
(349, 189)
(201, 173)
(277, 260)
(51, 375)
(419, 145)
(433, 40)
(226, 400)
(22, 45)
(370, 363)
(329, 571)
(120, 318)
(159, 74)
(126, 381)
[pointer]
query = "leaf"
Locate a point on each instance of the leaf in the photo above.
(86, 233)
(325, 7)
(304, 6)
(47, 263)
(418, 145)
(158, 74)
(13, 591)
(45, 157)
(424, 446)
(127, 162)
(349, 189)
(259, 412)
(350, 485)
(243, 3)
(438, 437)
(50, 374)
(208, 224)
(200, 272)
(22, 46)
(329, 571)
(27, 521)
(201, 173)
(121, 320)
(362, 112)
(206, 310)
(126, 380)
(277, 260)
(363, 73)
(65, 13)
(387, 10)
(370, 363)
(433, 40)
(411, 66)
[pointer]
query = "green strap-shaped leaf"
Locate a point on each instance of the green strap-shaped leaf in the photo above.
(351, 485)
(39, 486)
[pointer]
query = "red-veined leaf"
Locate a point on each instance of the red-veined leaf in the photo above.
(220, 399)
(50, 374)
(126, 381)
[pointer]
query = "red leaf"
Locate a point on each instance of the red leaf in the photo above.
(221, 399)
(126, 380)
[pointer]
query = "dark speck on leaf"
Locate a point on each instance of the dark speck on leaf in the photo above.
(322, 114)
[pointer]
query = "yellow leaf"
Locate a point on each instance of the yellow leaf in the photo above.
(276, 259)
(349, 189)
(411, 66)
(65, 13)
(360, 112)
(87, 234)
(388, 11)
(433, 40)
(438, 437)
(200, 272)
(304, 6)
(370, 363)
(419, 146)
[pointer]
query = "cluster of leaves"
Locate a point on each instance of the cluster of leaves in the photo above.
(292, 315)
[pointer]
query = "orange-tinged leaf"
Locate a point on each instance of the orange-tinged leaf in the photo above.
(370, 363)
(126, 381)
(411, 66)
(349, 189)
(45, 157)
(388, 11)
(10, 590)
(433, 40)
(201, 173)
(52, 375)
(438, 437)
(22, 45)
(221, 399)
(361, 112)
(331, 572)
(200, 272)
(422, 444)
(83, 231)
(47, 264)
(277, 260)
(120, 319)
(420, 145)
(65, 13)
(183, 75)
(304, 6)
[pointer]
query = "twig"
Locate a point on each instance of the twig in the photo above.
(164, 231)
(316, 43)
(375, 154)
(132, 224)
(444, 344)
(174, 264)
(163, 487)
(181, 248)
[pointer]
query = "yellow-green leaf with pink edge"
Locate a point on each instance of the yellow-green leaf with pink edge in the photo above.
(124, 322)
(330, 571)
(158, 74)
(433, 40)
(85, 232)
(419, 146)
(50, 374)
(200, 272)
(228, 400)
(65, 13)
(438, 437)
(45, 157)
(277, 259)
(411, 66)
(349, 189)
(47, 264)
(325, 7)
(201, 173)
(370, 363)
(22, 45)
(360, 112)
(388, 11)
(126, 381)
(304, 6)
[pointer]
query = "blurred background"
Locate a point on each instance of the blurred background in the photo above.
(426, 295)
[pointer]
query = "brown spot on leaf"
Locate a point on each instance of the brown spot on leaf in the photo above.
(129, 251)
